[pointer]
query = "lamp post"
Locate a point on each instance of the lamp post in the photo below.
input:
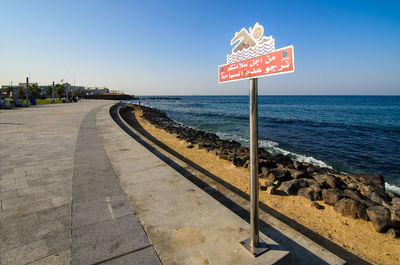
(52, 94)
(26, 90)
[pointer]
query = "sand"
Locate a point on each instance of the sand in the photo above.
(356, 236)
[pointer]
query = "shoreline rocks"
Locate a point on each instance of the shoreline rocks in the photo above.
(352, 195)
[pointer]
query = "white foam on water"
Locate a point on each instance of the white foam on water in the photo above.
(274, 148)
(392, 188)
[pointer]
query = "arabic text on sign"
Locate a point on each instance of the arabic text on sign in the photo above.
(272, 63)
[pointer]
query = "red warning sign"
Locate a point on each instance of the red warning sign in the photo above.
(279, 61)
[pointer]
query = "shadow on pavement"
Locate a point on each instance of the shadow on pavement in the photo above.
(299, 255)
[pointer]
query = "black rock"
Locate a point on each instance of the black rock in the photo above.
(271, 190)
(351, 208)
(239, 161)
(292, 186)
(355, 195)
(352, 186)
(392, 194)
(379, 196)
(331, 196)
(396, 201)
(326, 180)
(296, 174)
(281, 174)
(308, 193)
(317, 205)
(374, 180)
(393, 233)
(380, 218)
(395, 219)
(298, 165)
(264, 171)
(315, 186)
(269, 183)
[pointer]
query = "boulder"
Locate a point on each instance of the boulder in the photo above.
(379, 197)
(271, 190)
(355, 195)
(352, 186)
(296, 174)
(351, 208)
(317, 205)
(292, 186)
(269, 183)
(374, 180)
(395, 219)
(368, 203)
(266, 163)
(281, 174)
(326, 179)
(380, 218)
(282, 159)
(396, 202)
(264, 171)
(315, 186)
(393, 233)
(239, 161)
(298, 165)
(308, 193)
(331, 196)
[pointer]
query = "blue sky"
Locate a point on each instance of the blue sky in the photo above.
(174, 47)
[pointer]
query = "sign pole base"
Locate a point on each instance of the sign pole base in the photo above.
(255, 251)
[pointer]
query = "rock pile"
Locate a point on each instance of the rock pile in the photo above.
(352, 195)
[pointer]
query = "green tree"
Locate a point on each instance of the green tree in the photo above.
(59, 89)
(33, 90)
(49, 91)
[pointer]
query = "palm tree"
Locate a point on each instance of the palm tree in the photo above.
(33, 90)
(59, 89)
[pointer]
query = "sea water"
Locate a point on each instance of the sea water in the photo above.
(352, 134)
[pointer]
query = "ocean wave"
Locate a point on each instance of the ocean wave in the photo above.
(274, 148)
(392, 188)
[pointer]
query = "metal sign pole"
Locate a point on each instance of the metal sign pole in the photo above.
(254, 222)
(52, 94)
(254, 244)
(26, 90)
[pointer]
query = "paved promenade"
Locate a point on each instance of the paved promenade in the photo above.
(75, 188)
(40, 184)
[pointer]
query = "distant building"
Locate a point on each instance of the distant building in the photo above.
(94, 90)
(68, 87)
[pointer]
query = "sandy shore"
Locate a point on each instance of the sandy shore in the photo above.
(354, 235)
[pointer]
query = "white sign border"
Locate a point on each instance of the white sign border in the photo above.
(258, 76)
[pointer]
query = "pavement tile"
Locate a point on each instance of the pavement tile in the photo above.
(18, 201)
(89, 212)
(8, 194)
(59, 241)
(25, 254)
(53, 213)
(145, 256)
(96, 233)
(61, 258)
(95, 191)
(41, 231)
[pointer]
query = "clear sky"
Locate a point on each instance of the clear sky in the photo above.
(174, 47)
